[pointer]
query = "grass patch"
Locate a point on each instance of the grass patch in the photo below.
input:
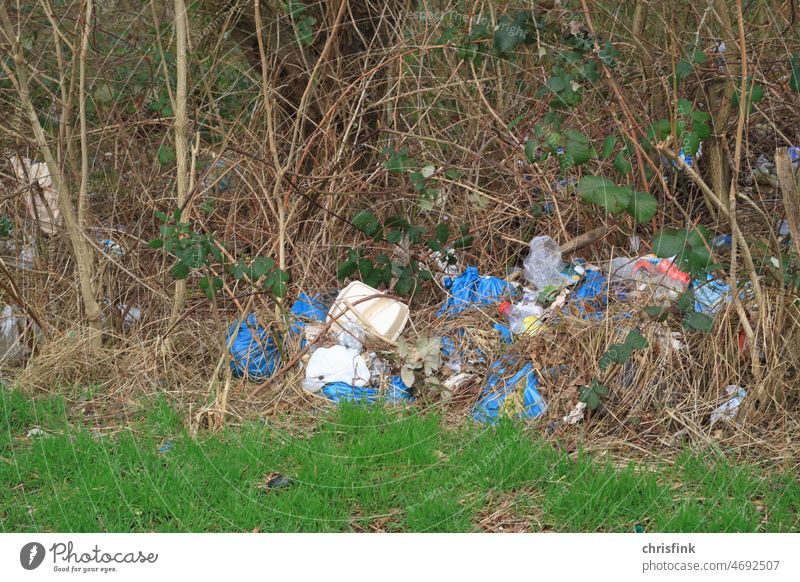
(362, 469)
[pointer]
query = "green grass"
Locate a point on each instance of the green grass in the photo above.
(361, 468)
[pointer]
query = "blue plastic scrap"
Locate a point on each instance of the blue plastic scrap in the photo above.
(470, 289)
(396, 392)
(499, 387)
(310, 308)
(590, 297)
(342, 391)
(254, 354)
(711, 295)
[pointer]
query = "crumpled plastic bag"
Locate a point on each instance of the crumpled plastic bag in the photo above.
(470, 288)
(515, 396)
(397, 392)
(43, 209)
(337, 364)
(254, 354)
(12, 330)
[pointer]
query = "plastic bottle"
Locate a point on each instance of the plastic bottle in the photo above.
(543, 264)
(522, 317)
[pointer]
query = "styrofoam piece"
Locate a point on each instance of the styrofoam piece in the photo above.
(381, 316)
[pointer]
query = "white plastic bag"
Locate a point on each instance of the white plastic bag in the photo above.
(336, 364)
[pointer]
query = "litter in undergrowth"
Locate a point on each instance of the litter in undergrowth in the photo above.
(17, 334)
(254, 353)
(41, 197)
(37, 433)
(471, 289)
(353, 351)
(337, 364)
(730, 408)
(276, 480)
(369, 308)
(166, 447)
(576, 414)
(543, 264)
(510, 393)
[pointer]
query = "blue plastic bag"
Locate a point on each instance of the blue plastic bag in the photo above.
(398, 391)
(499, 386)
(342, 391)
(470, 288)
(590, 297)
(254, 354)
(310, 308)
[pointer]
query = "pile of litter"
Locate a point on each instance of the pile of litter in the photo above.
(329, 334)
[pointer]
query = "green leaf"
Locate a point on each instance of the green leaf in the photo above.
(556, 84)
(685, 301)
(530, 150)
(669, 242)
(701, 116)
(691, 142)
(261, 266)
(603, 192)
(608, 145)
(453, 174)
(442, 233)
(346, 269)
(166, 154)
(180, 270)
(394, 236)
(657, 312)
(683, 69)
(156, 243)
(684, 107)
(698, 322)
(622, 165)
(636, 340)
(577, 148)
(404, 283)
(366, 222)
(161, 216)
(508, 35)
(642, 207)
(600, 389)
(699, 56)
(463, 242)
(794, 78)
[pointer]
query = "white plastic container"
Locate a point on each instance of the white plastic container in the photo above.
(381, 316)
